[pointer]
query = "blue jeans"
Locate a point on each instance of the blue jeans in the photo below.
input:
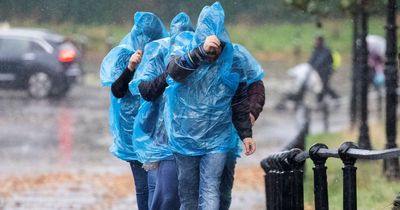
(166, 192)
(227, 181)
(199, 180)
(142, 190)
(151, 183)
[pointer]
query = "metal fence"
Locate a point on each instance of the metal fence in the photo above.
(284, 175)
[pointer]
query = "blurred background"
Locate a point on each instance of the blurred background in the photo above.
(54, 134)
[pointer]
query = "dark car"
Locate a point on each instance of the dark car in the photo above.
(42, 62)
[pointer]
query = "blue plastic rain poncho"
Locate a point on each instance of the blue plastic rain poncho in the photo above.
(150, 138)
(246, 65)
(198, 115)
(147, 27)
(250, 71)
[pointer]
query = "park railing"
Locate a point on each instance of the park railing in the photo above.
(284, 175)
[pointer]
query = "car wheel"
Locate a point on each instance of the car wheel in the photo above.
(39, 85)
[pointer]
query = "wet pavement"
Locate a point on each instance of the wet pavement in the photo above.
(54, 153)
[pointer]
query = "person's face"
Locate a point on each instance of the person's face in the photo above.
(318, 42)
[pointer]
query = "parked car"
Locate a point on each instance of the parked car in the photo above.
(40, 61)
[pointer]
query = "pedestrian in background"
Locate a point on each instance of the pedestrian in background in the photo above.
(322, 61)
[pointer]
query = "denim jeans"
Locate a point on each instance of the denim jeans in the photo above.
(227, 181)
(166, 192)
(151, 183)
(199, 180)
(142, 190)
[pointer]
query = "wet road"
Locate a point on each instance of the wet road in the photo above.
(54, 153)
(67, 131)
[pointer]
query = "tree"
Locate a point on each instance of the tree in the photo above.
(318, 8)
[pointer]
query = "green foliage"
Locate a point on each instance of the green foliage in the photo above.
(373, 7)
(280, 38)
(299, 4)
(121, 11)
(329, 8)
(284, 37)
(274, 38)
(315, 7)
(348, 5)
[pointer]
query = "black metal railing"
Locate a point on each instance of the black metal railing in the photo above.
(284, 175)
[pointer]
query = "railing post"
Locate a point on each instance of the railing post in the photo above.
(268, 177)
(355, 96)
(349, 177)
(284, 197)
(277, 188)
(391, 166)
(298, 187)
(274, 190)
(364, 140)
(268, 189)
(297, 178)
(283, 181)
(270, 184)
(320, 178)
(286, 190)
(280, 190)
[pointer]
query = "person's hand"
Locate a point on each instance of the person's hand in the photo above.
(249, 145)
(252, 120)
(212, 46)
(135, 60)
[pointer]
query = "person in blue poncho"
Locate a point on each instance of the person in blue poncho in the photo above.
(243, 63)
(151, 141)
(198, 115)
(117, 70)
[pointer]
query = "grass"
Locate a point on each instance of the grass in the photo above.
(267, 38)
(374, 191)
(285, 37)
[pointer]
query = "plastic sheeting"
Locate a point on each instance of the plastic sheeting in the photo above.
(147, 27)
(376, 44)
(197, 113)
(121, 116)
(246, 65)
(150, 137)
(114, 64)
(251, 71)
(305, 74)
(180, 23)
(377, 49)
